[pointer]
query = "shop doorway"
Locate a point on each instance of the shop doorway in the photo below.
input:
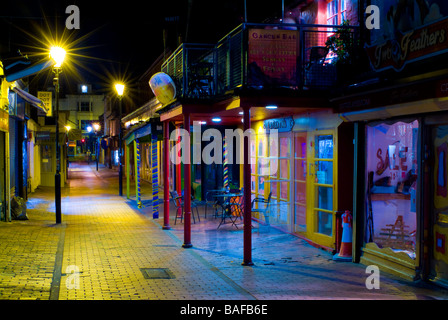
(438, 264)
(280, 181)
(321, 187)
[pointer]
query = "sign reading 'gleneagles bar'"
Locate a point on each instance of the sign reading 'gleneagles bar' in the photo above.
(419, 43)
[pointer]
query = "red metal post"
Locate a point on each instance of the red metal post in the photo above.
(247, 236)
(166, 176)
(178, 184)
(187, 184)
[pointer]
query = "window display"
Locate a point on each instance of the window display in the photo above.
(392, 185)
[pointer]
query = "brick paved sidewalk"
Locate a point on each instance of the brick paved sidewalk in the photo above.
(108, 249)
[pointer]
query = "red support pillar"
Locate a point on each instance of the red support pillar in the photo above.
(178, 184)
(166, 176)
(247, 236)
(187, 184)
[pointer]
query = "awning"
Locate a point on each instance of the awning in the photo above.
(403, 109)
(22, 69)
(30, 99)
(139, 132)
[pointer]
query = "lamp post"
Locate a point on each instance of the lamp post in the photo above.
(67, 128)
(120, 90)
(96, 128)
(58, 55)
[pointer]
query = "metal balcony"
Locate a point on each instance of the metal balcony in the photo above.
(258, 56)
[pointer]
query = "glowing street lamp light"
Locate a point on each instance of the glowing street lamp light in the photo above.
(58, 55)
(119, 87)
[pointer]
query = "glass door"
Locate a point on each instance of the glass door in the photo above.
(321, 189)
(278, 166)
(300, 177)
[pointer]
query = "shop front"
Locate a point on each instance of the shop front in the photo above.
(392, 175)
(142, 159)
(305, 178)
(400, 199)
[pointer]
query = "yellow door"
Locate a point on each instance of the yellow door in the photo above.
(321, 187)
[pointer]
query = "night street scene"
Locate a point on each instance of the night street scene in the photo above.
(220, 159)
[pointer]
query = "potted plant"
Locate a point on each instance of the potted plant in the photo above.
(343, 44)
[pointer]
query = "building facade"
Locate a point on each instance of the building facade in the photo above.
(399, 113)
(84, 109)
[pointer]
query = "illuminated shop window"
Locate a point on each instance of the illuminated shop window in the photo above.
(391, 219)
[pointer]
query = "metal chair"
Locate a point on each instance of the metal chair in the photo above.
(210, 201)
(179, 202)
(237, 206)
(228, 214)
(265, 210)
(318, 55)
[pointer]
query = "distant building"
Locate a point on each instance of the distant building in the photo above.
(85, 108)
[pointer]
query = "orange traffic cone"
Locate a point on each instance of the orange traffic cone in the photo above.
(345, 253)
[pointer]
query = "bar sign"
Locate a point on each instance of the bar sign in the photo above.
(46, 97)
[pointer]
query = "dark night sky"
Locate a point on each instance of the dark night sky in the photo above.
(125, 37)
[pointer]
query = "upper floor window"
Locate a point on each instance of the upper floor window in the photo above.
(336, 12)
(84, 106)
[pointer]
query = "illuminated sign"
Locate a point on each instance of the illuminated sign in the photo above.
(272, 57)
(282, 125)
(414, 45)
(46, 98)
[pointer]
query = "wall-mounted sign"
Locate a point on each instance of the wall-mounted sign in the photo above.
(46, 98)
(272, 58)
(410, 31)
(43, 135)
(282, 124)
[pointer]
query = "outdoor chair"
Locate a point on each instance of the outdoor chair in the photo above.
(265, 209)
(179, 206)
(179, 203)
(227, 214)
(237, 205)
(317, 55)
(210, 201)
(233, 208)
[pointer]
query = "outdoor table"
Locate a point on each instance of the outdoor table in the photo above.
(211, 194)
(226, 211)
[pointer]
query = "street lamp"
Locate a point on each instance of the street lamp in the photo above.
(67, 128)
(96, 128)
(58, 55)
(119, 87)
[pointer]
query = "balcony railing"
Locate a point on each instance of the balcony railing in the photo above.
(260, 56)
